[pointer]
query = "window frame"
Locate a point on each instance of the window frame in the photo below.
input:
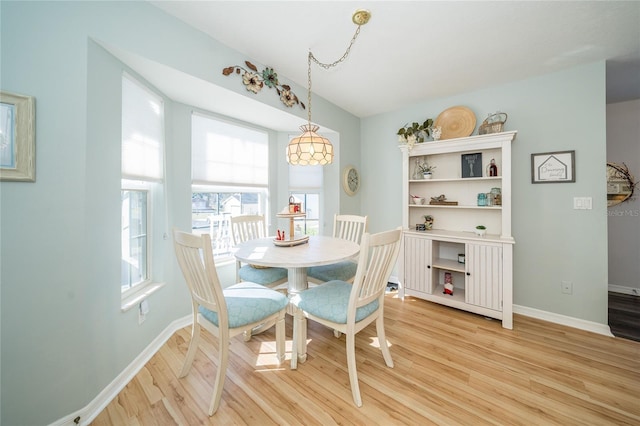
(263, 190)
(140, 186)
(155, 189)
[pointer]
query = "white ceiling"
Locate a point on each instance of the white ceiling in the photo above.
(416, 50)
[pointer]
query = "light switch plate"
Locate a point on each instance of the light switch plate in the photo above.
(582, 203)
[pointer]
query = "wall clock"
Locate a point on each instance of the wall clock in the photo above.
(350, 180)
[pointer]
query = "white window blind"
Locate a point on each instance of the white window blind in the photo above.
(305, 177)
(142, 132)
(224, 153)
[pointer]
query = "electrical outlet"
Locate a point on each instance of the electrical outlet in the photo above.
(567, 287)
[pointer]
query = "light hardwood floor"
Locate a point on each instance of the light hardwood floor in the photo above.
(451, 368)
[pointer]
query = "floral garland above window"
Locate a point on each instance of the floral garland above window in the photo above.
(255, 81)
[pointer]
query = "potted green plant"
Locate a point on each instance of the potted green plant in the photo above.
(426, 169)
(414, 133)
(480, 230)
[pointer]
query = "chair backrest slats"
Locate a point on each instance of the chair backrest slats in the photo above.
(195, 257)
(378, 255)
(247, 227)
(349, 227)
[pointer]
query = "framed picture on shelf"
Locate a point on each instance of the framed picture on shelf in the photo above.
(553, 167)
(472, 165)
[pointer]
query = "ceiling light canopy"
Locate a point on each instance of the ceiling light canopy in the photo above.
(310, 148)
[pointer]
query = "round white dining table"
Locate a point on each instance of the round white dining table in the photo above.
(319, 250)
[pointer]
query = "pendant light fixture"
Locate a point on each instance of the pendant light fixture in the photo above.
(310, 148)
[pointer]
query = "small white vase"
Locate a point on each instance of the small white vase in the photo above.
(480, 232)
(427, 175)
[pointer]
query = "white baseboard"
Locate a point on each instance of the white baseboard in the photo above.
(95, 407)
(624, 290)
(563, 320)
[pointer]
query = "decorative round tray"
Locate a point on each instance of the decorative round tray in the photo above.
(290, 243)
(456, 122)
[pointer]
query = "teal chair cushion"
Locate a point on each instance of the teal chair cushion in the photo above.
(342, 271)
(330, 300)
(247, 303)
(264, 276)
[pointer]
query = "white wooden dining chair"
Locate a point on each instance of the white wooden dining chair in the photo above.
(346, 227)
(349, 308)
(250, 227)
(225, 313)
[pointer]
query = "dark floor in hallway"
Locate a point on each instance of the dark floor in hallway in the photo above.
(624, 315)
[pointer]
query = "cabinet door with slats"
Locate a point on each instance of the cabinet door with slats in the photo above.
(417, 264)
(484, 276)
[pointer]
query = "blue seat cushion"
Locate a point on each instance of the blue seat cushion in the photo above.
(330, 300)
(342, 271)
(264, 276)
(247, 303)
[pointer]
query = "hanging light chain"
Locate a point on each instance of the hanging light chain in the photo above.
(326, 67)
(344, 56)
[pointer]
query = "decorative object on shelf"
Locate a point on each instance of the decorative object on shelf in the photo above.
(482, 199)
(448, 284)
(471, 165)
(428, 222)
(620, 183)
(421, 227)
(17, 137)
(494, 123)
(411, 134)
(442, 201)
(492, 169)
(461, 258)
(436, 133)
(490, 199)
(456, 122)
(480, 230)
(310, 148)
(293, 206)
(553, 167)
(350, 180)
(417, 199)
(426, 169)
(497, 196)
(417, 174)
(255, 81)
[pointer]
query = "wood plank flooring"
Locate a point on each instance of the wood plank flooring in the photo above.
(451, 368)
(624, 315)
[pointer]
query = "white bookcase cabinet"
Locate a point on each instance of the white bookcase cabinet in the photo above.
(483, 284)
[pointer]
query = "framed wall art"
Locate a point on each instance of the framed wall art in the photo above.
(553, 167)
(17, 138)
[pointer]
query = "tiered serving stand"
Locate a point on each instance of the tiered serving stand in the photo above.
(292, 240)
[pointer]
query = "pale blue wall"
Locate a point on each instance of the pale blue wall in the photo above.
(63, 337)
(554, 243)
